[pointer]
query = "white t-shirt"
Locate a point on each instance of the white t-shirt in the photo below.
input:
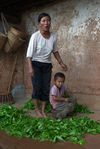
(40, 49)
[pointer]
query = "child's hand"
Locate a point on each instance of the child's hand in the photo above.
(67, 99)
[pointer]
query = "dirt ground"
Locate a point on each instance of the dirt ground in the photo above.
(12, 142)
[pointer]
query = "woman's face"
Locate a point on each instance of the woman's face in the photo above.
(45, 23)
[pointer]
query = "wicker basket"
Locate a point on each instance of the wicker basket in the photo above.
(3, 39)
(6, 98)
(18, 33)
(13, 42)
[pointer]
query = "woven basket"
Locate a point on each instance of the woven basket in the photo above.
(13, 42)
(18, 33)
(6, 98)
(3, 39)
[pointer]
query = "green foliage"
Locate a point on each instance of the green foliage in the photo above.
(30, 106)
(66, 95)
(81, 109)
(17, 122)
(78, 108)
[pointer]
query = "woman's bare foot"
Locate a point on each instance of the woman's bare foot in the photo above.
(43, 114)
(39, 114)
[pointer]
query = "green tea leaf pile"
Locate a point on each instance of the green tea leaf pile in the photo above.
(78, 108)
(30, 106)
(17, 122)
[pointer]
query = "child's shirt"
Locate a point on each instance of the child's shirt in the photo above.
(55, 91)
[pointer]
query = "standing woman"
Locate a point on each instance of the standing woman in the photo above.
(42, 43)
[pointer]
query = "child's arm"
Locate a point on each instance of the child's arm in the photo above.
(60, 98)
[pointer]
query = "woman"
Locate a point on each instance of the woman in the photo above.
(42, 43)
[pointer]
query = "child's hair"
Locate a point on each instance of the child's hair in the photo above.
(43, 15)
(59, 74)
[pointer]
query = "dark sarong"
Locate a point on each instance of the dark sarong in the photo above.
(63, 109)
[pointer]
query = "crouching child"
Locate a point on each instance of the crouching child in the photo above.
(61, 106)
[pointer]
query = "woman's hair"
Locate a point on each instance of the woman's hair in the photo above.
(59, 74)
(43, 15)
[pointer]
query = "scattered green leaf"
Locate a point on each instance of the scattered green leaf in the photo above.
(16, 122)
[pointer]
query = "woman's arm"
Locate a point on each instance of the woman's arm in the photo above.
(57, 56)
(31, 70)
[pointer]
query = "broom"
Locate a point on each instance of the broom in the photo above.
(6, 97)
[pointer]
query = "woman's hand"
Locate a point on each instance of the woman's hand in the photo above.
(31, 72)
(57, 56)
(64, 66)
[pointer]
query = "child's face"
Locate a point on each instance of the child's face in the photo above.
(59, 82)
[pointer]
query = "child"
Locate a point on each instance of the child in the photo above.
(61, 106)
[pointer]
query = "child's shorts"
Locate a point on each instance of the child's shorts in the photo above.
(41, 80)
(63, 109)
